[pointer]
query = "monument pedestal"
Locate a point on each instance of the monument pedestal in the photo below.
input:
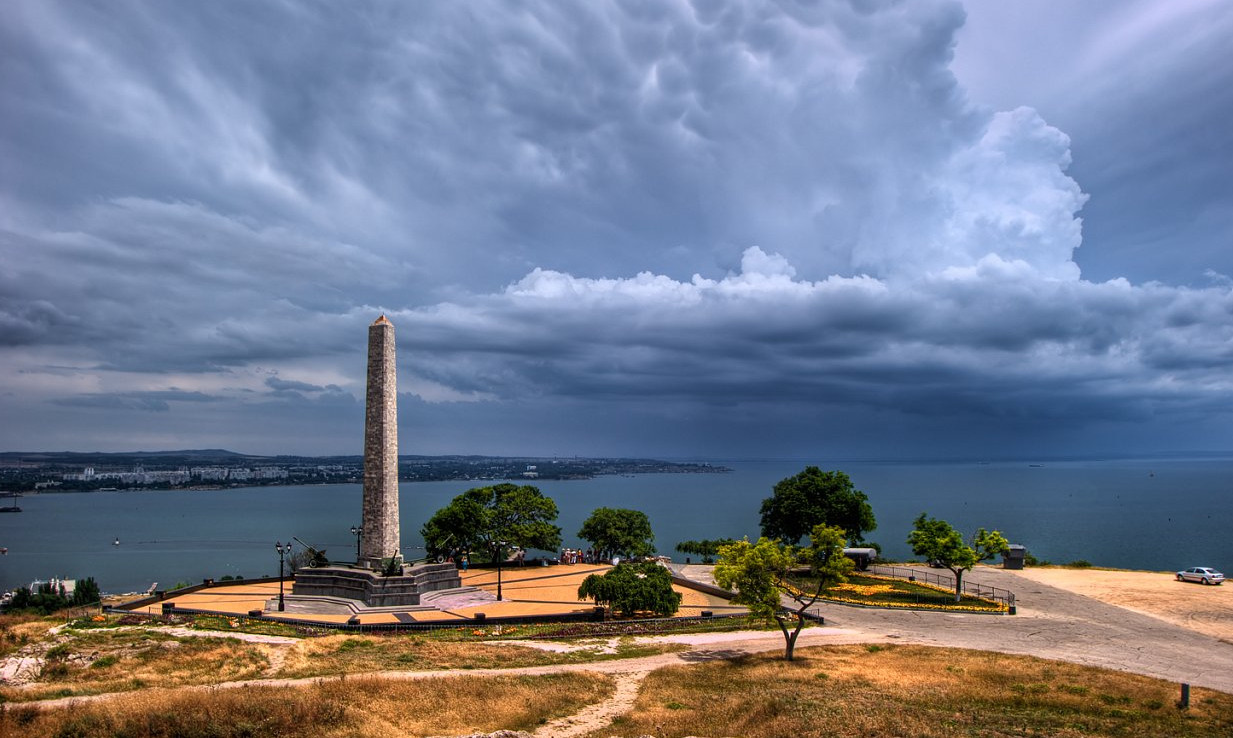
(379, 537)
(373, 589)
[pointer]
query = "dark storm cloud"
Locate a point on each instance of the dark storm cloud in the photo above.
(707, 218)
(285, 385)
(155, 401)
(996, 340)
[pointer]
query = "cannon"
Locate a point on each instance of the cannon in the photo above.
(316, 557)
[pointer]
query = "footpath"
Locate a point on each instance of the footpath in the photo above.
(1051, 623)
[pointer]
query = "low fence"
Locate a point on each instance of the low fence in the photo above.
(565, 625)
(983, 591)
(591, 622)
(78, 612)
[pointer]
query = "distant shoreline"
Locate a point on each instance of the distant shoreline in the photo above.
(77, 474)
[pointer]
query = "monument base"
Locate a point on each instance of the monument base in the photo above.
(373, 589)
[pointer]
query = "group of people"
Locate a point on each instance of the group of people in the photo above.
(573, 556)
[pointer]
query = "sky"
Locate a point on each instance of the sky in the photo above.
(823, 230)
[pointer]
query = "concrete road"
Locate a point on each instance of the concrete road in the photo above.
(1055, 624)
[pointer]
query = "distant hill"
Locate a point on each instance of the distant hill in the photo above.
(84, 472)
(208, 453)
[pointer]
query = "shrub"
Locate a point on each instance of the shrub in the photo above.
(633, 588)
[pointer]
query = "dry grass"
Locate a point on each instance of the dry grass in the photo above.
(914, 690)
(94, 662)
(105, 660)
(17, 631)
(348, 709)
(349, 654)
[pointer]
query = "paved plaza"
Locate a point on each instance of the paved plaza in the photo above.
(525, 591)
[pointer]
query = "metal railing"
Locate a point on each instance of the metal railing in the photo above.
(970, 589)
(574, 625)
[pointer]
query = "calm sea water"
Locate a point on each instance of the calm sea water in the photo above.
(1157, 515)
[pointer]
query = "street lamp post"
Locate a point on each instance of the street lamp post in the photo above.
(283, 549)
(499, 553)
(358, 532)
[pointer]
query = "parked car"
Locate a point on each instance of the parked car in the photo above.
(1204, 574)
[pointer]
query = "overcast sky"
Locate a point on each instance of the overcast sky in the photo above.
(716, 229)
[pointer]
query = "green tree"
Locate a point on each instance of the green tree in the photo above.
(45, 600)
(481, 518)
(86, 592)
(617, 532)
(633, 588)
(707, 549)
(815, 497)
(759, 572)
(939, 543)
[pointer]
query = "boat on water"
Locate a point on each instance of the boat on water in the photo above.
(11, 508)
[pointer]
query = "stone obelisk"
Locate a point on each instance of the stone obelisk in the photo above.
(379, 539)
(371, 582)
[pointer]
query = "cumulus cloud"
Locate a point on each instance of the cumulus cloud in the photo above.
(589, 207)
(997, 337)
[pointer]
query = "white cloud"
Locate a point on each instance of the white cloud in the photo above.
(1000, 330)
(557, 202)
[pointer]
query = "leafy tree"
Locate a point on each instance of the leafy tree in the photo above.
(759, 574)
(938, 542)
(86, 592)
(480, 518)
(815, 497)
(44, 600)
(707, 549)
(617, 532)
(633, 588)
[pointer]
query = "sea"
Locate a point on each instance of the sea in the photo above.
(1158, 515)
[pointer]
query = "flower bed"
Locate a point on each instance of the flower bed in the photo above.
(871, 590)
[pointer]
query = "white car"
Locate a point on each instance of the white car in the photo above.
(1204, 574)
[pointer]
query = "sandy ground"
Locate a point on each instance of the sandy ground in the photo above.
(1204, 609)
(524, 590)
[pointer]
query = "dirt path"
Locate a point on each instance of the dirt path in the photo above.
(1053, 622)
(600, 714)
(711, 646)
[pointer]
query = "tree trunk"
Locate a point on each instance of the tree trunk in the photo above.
(958, 584)
(791, 648)
(789, 639)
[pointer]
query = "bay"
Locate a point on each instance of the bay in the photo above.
(1149, 514)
